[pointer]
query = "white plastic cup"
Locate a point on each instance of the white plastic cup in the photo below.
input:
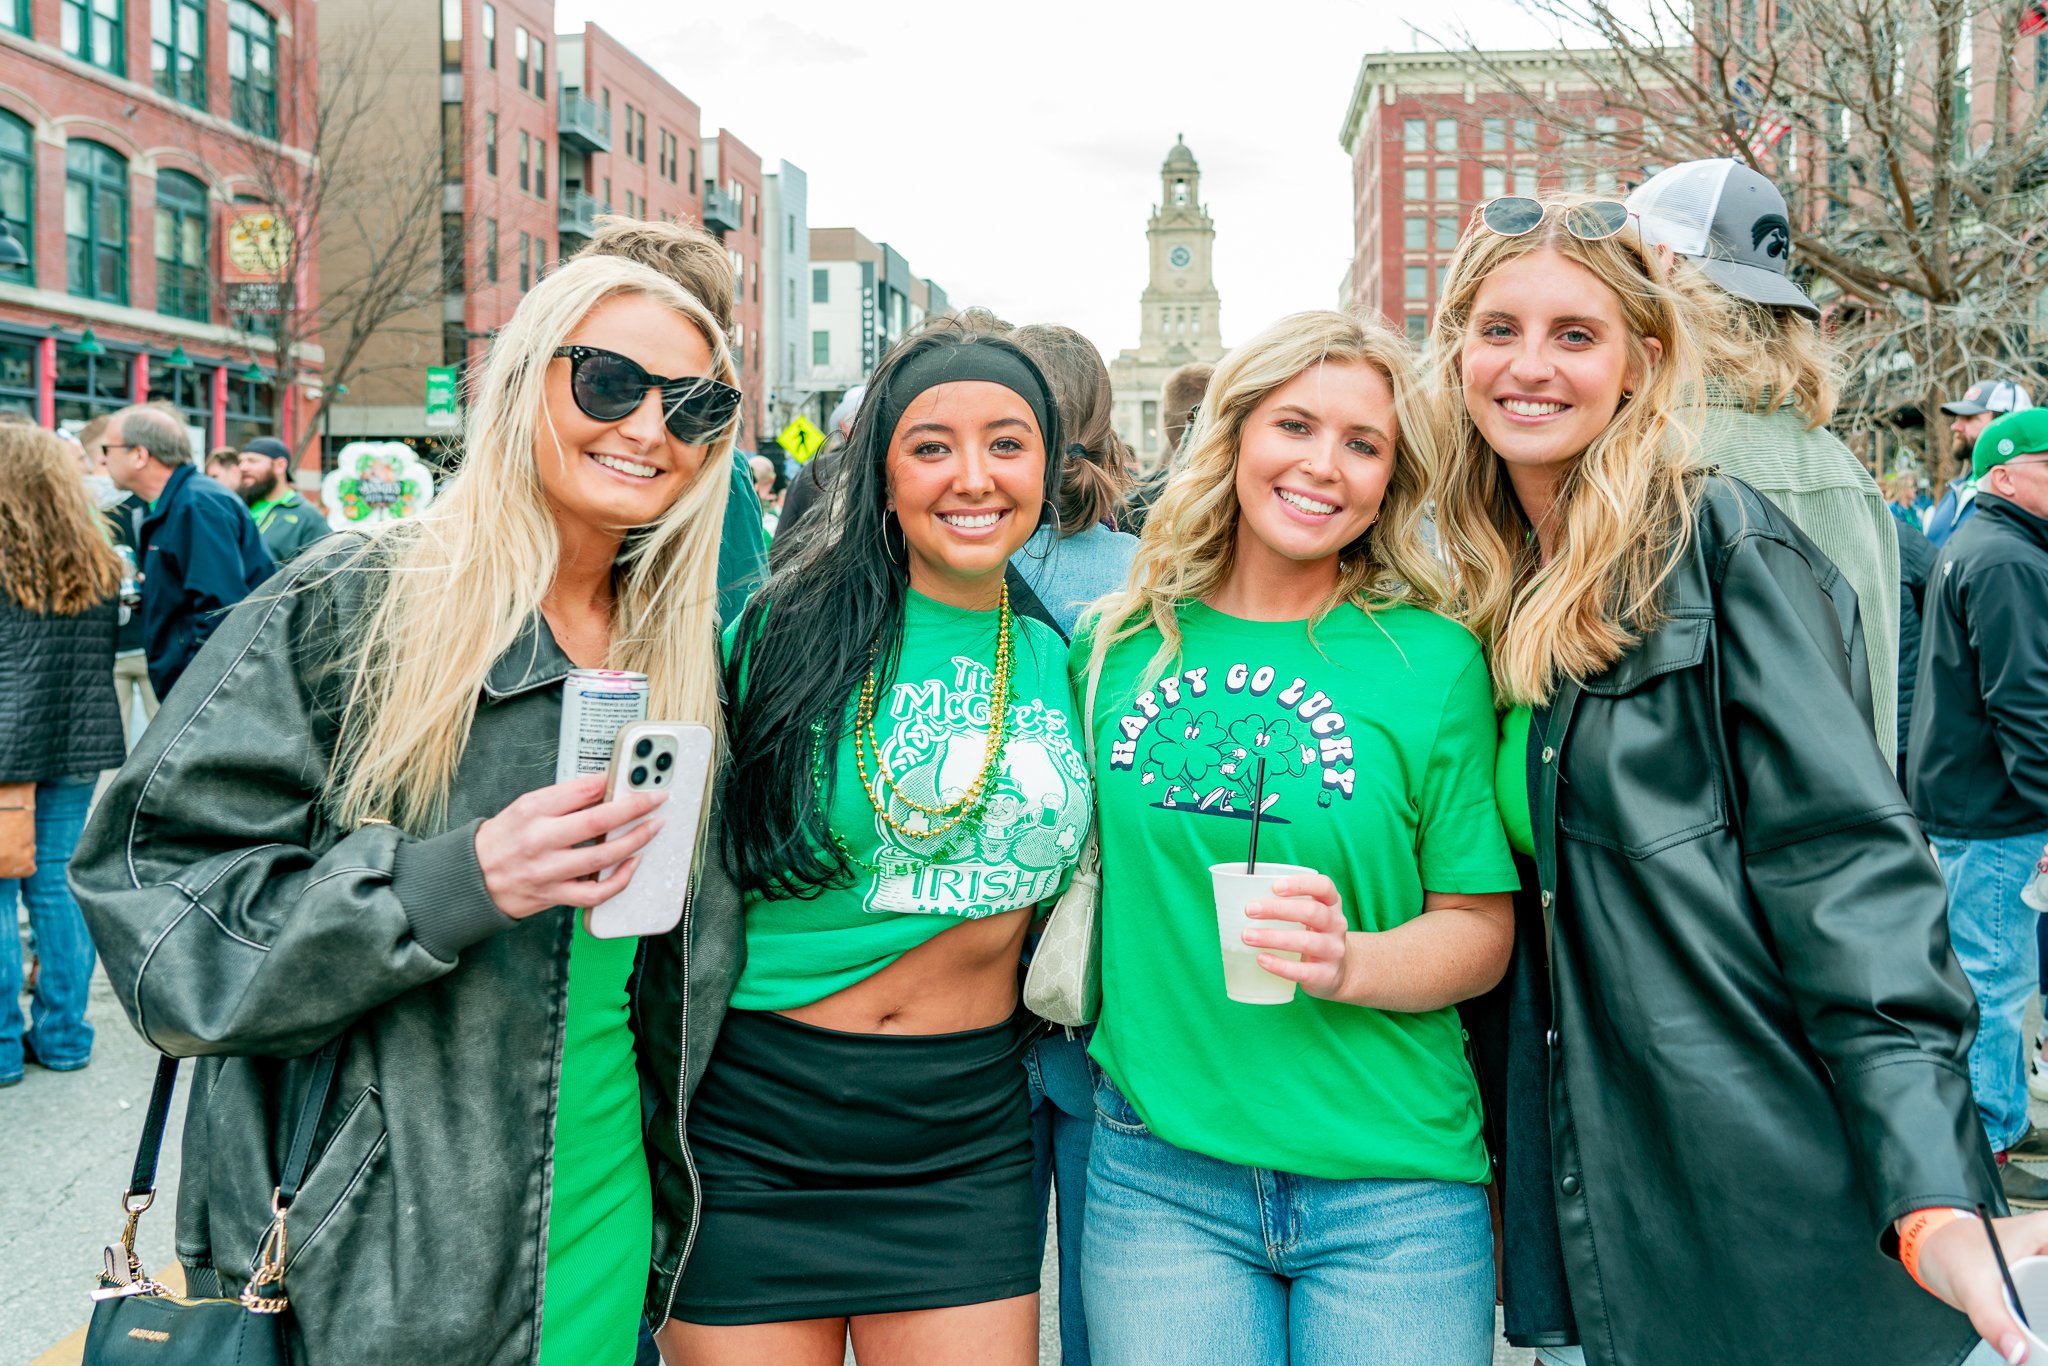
(2030, 1274)
(2035, 893)
(1244, 980)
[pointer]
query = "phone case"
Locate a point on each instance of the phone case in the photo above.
(652, 902)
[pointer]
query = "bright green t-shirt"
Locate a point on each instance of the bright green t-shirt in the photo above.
(1378, 737)
(1511, 780)
(600, 1206)
(932, 723)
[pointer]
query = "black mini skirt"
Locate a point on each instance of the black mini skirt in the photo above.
(848, 1174)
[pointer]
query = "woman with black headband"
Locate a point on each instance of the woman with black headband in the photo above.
(909, 788)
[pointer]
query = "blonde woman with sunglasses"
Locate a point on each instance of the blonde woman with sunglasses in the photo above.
(1738, 1082)
(345, 829)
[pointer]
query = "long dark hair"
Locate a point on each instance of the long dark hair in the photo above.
(1096, 474)
(807, 639)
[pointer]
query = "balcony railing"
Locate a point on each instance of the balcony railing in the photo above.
(584, 125)
(578, 216)
(721, 212)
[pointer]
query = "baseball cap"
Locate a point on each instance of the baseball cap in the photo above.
(1729, 222)
(1989, 396)
(268, 446)
(2021, 433)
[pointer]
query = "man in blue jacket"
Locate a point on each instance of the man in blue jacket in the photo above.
(200, 552)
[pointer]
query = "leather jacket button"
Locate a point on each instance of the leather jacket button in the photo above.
(1570, 1185)
(1546, 898)
(1550, 1038)
(1548, 754)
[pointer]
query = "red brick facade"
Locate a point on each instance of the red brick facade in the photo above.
(96, 124)
(739, 176)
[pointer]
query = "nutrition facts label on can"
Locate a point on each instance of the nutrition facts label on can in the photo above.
(592, 712)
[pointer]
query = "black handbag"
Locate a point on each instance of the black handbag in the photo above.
(136, 1319)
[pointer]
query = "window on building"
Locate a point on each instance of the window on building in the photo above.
(1415, 184)
(693, 170)
(91, 386)
(177, 50)
(1493, 134)
(96, 221)
(525, 261)
(1441, 272)
(252, 409)
(1607, 125)
(181, 221)
(1493, 182)
(1415, 135)
(451, 35)
(540, 168)
(1605, 181)
(454, 259)
(540, 257)
(490, 32)
(18, 192)
(1525, 180)
(491, 142)
(1148, 421)
(640, 137)
(1417, 283)
(252, 67)
(525, 160)
(1447, 135)
(540, 67)
(1418, 327)
(520, 57)
(491, 250)
(14, 16)
(754, 279)
(789, 232)
(1446, 232)
(1415, 234)
(451, 142)
(754, 212)
(1525, 132)
(93, 32)
(1447, 184)
(821, 348)
(821, 285)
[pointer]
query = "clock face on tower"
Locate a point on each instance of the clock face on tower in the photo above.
(1179, 257)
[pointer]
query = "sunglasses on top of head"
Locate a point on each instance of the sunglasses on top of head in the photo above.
(1516, 215)
(607, 386)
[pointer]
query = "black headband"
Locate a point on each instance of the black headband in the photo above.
(966, 361)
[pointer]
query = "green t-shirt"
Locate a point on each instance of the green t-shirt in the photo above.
(1511, 780)
(600, 1206)
(932, 723)
(1379, 750)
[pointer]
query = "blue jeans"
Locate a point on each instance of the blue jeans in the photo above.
(56, 1029)
(1062, 1122)
(1994, 937)
(1190, 1259)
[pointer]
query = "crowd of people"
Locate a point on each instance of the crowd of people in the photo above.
(1637, 817)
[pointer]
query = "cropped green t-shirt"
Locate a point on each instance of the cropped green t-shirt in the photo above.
(932, 724)
(1379, 743)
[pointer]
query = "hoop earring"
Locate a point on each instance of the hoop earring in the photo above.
(897, 545)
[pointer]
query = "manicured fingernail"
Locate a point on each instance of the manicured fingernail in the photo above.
(2015, 1350)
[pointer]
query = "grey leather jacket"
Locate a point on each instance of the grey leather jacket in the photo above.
(240, 926)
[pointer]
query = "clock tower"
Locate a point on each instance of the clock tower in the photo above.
(1179, 312)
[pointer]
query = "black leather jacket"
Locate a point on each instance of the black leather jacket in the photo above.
(240, 926)
(1757, 1050)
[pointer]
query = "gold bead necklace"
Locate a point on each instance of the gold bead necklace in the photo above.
(960, 808)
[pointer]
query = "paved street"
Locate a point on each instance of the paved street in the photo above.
(70, 1141)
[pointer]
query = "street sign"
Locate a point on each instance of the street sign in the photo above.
(441, 405)
(801, 438)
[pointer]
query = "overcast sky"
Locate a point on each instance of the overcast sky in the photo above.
(1011, 153)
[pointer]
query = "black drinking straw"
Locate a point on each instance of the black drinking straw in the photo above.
(1251, 859)
(1984, 1216)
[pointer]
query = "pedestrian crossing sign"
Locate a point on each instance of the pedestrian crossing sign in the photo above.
(801, 438)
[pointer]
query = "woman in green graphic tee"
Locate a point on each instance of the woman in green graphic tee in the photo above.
(1293, 1182)
(907, 787)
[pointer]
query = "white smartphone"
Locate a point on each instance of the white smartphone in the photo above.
(657, 756)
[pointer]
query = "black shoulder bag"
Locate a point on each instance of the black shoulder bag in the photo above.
(136, 1319)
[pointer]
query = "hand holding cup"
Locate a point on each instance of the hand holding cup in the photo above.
(1310, 901)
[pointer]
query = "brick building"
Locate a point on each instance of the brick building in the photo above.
(1429, 142)
(733, 190)
(134, 136)
(864, 298)
(630, 140)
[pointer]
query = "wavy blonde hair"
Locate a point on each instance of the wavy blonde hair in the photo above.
(1190, 539)
(54, 555)
(461, 581)
(1761, 358)
(1625, 505)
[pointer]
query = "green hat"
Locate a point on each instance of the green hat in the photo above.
(2014, 434)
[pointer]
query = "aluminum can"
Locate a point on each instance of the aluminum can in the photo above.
(595, 703)
(2035, 893)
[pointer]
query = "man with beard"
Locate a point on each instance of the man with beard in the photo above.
(1981, 404)
(286, 521)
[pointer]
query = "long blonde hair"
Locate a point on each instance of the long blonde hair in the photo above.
(54, 556)
(1761, 358)
(1625, 508)
(461, 581)
(1190, 539)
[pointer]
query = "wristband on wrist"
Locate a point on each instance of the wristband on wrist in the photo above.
(1913, 1230)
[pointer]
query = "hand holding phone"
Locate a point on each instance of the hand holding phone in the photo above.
(671, 759)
